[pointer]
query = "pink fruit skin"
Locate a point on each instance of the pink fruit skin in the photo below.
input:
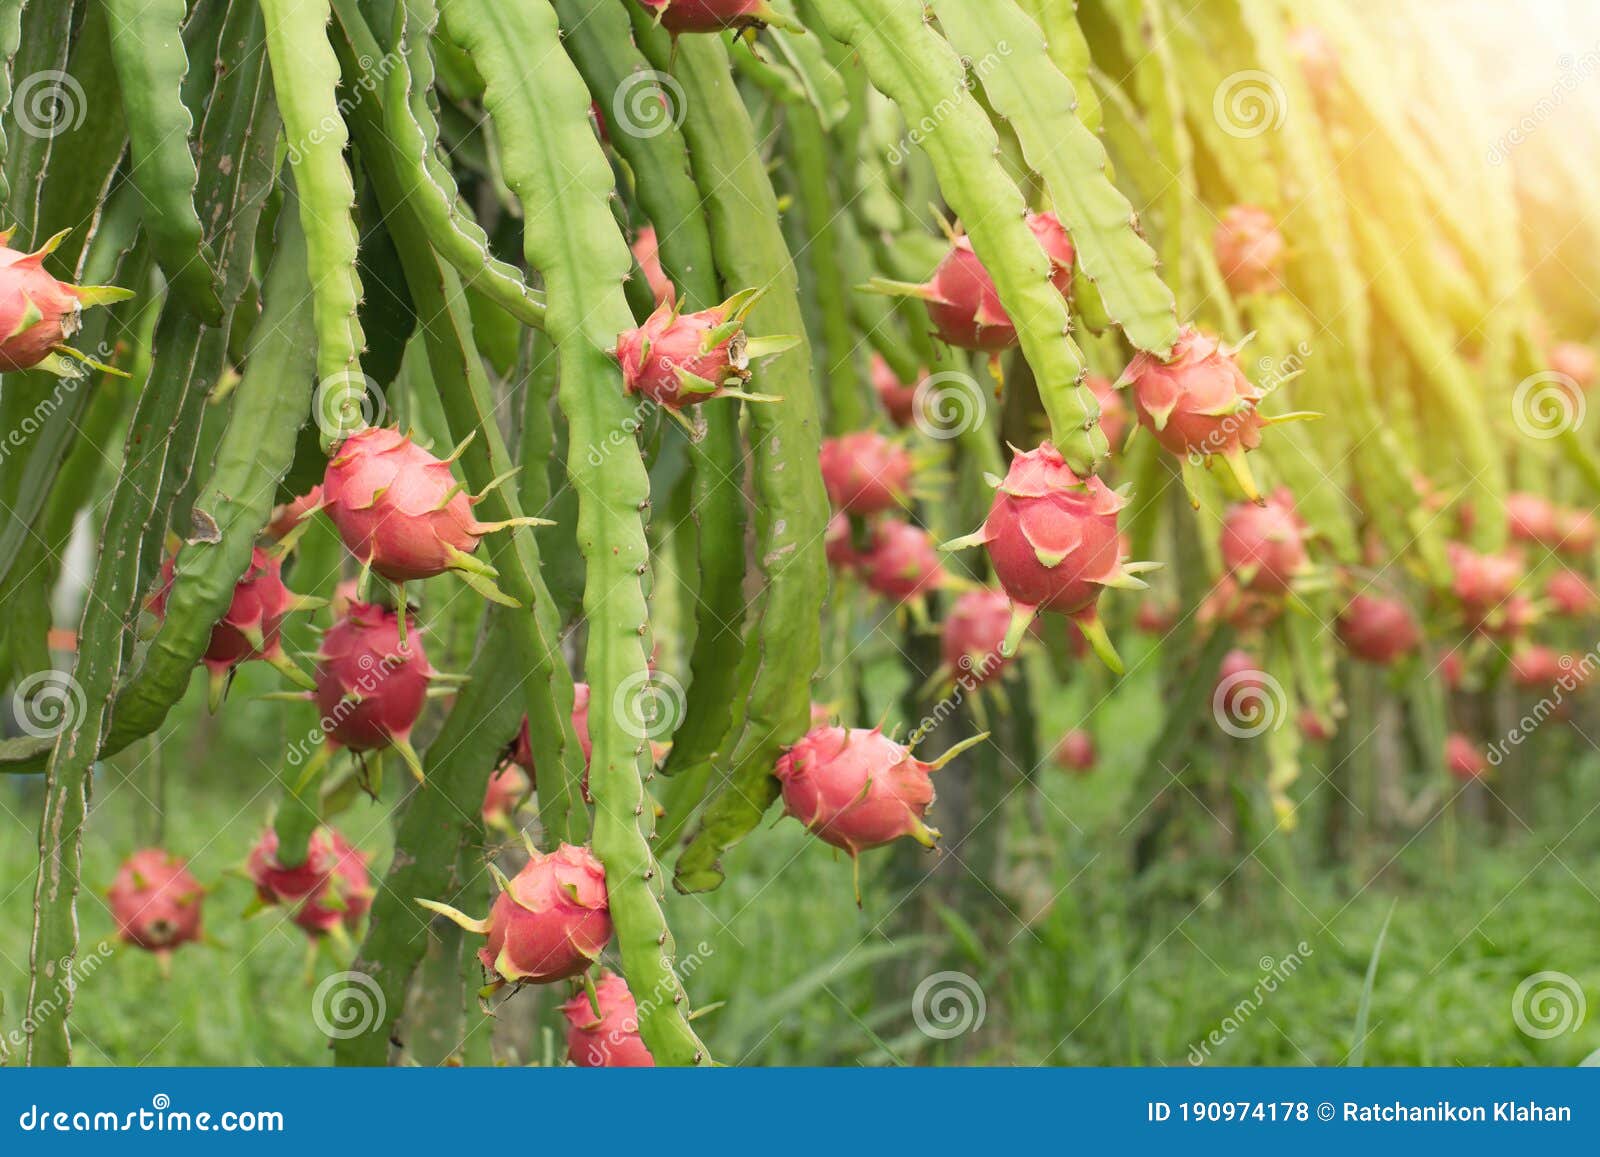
(1377, 629)
(1052, 536)
(679, 16)
(23, 280)
(901, 561)
(1463, 758)
(1538, 666)
(647, 253)
(1576, 532)
(856, 789)
(610, 1040)
(552, 922)
(1113, 410)
(1452, 669)
(1532, 518)
(972, 634)
(670, 343)
(1155, 618)
(1571, 594)
(1483, 581)
(1229, 602)
(1265, 545)
(864, 472)
(1241, 674)
(344, 897)
(897, 398)
(963, 303)
(522, 752)
(156, 901)
(361, 656)
(1076, 751)
(838, 546)
(1313, 726)
(1574, 360)
(397, 505)
(260, 601)
(506, 790)
(1198, 401)
(276, 884)
(1248, 248)
(291, 514)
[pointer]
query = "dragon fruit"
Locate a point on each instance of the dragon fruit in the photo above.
(1576, 532)
(683, 359)
(897, 398)
(971, 636)
(548, 923)
(156, 901)
(1377, 629)
(1198, 403)
(276, 884)
(1532, 518)
(508, 787)
(1463, 758)
(1536, 665)
(1571, 594)
(680, 16)
(647, 252)
(371, 685)
(1264, 546)
(609, 1039)
(838, 544)
(900, 562)
(39, 314)
(1229, 602)
(344, 897)
(401, 511)
(287, 517)
(1452, 668)
(961, 297)
(1573, 360)
(1053, 542)
(1155, 618)
(1313, 725)
(1248, 248)
(522, 748)
(1483, 583)
(865, 473)
(1076, 751)
(1113, 409)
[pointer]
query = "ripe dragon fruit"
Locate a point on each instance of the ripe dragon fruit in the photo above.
(371, 685)
(548, 923)
(1463, 758)
(683, 359)
(1452, 668)
(1571, 594)
(156, 901)
(1243, 692)
(402, 513)
(508, 787)
(1198, 403)
(1313, 725)
(1537, 665)
(865, 473)
(609, 1039)
(971, 636)
(39, 314)
(1076, 751)
(1053, 542)
(1532, 518)
(1243, 610)
(1377, 629)
(276, 884)
(647, 252)
(1264, 546)
(838, 544)
(289, 516)
(1576, 532)
(522, 748)
(897, 398)
(344, 897)
(680, 16)
(1248, 247)
(1483, 583)
(901, 562)
(251, 626)
(1113, 409)
(1573, 360)
(961, 297)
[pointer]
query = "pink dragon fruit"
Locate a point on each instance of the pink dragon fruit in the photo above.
(1452, 668)
(1155, 618)
(508, 787)
(1576, 532)
(1571, 594)
(276, 884)
(647, 252)
(156, 901)
(39, 314)
(1377, 629)
(838, 545)
(1198, 403)
(371, 686)
(1076, 751)
(1463, 758)
(865, 473)
(1243, 610)
(1483, 583)
(971, 636)
(522, 748)
(1573, 360)
(1053, 542)
(680, 16)
(609, 1039)
(1264, 546)
(1313, 725)
(901, 562)
(1243, 692)
(1532, 518)
(548, 923)
(1536, 665)
(401, 511)
(344, 897)
(1248, 248)
(683, 359)
(1113, 410)
(287, 517)
(897, 398)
